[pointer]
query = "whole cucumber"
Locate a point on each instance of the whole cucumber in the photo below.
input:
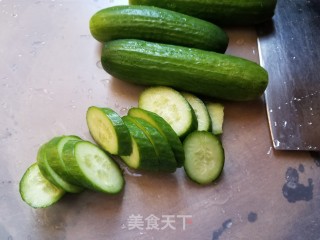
(223, 12)
(203, 72)
(157, 25)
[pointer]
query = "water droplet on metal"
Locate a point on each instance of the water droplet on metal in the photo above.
(284, 123)
(276, 143)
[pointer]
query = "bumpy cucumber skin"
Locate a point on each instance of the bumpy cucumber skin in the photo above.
(223, 12)
(157, 25)
(194, 70)
(164, 128)
(121, 130)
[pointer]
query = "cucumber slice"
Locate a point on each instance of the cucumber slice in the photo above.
(171, 106)
(204, 157)
(108, 130)
(216, 112)
(92, 167)
(46, 170)
(51, 175)
(164, 128)
(36, 190)
(54, 157)
(143, 154)
(166, 159)
(203, 117)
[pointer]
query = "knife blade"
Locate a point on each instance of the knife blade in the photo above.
(289, 49)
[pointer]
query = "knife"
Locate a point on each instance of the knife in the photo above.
(289, 49)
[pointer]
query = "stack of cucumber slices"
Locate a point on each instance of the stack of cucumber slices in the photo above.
(68, 164)
(167, 130)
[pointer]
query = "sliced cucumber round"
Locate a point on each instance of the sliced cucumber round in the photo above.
(108, 130)
(166, 159)
(204, 157)
(164, 128)
(36, 190)
(204, 121)
(44, 167)
(92, 167)
(54, 158)
(171, 106)
(51, 175)
(143, 156)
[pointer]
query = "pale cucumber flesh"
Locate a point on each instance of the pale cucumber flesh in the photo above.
(171, 106)
(204, 157)
(93, 168)
(36, 190)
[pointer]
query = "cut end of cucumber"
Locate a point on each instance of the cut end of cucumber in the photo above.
(133, 160)
(200, 110)
(216, 112)
(171, 106)
(204, 157)
(109, 131)
(36, 190)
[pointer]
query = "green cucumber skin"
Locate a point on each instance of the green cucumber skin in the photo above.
(223, 12)
(69, 162)
(166, 159)
(48, 172)
(148, 156)
(164, 128)
(57, 164)
(157, 25)
(42, 164)
(197, 71)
